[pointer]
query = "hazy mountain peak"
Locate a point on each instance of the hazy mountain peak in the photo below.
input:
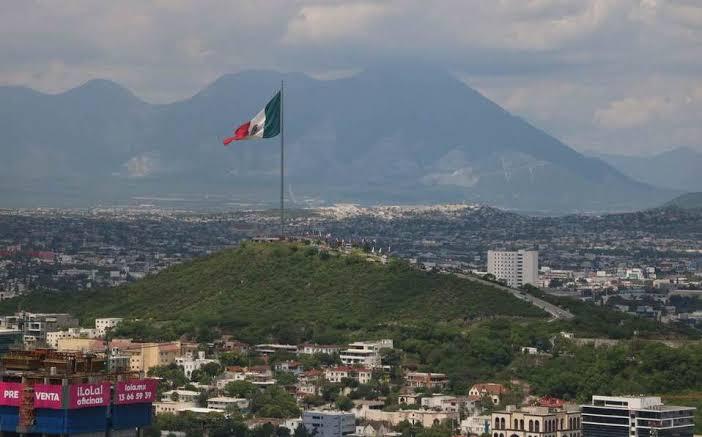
(678, 168)
(99, 90)
(387, 134)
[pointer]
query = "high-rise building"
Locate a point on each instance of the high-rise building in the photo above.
(636, 416)
(515, 268)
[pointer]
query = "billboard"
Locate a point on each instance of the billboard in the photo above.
(10, 394)
(137, 391)
(48, 396)
(89, 395)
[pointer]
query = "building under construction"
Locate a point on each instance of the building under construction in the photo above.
(44, 392)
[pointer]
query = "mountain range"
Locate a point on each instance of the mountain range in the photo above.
(386, 135)
(678, 169)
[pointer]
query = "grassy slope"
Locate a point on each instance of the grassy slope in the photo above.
(258, 285)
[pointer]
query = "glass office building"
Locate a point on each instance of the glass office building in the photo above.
(635, 416)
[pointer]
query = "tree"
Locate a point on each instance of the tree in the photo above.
(329, 360)
(233, 411)
(285, 378)
(240, 389)
(201, 399)
(301, 431)
(233, 359)
(287, 332)
(313, 401)
(391, 357)
(282, 432)
(343, 403)
(274, 401)
(486, 404)
(555, 283)
(205, 334)
(408, 429)
(349, 382)
(364, 391)
(212, 369)
(330, 391)
(172, 376)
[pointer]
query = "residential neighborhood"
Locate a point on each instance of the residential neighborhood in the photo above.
(330, 390)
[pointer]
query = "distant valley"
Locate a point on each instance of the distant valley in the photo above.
(677, 169)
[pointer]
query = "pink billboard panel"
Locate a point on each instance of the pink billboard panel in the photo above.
(137, 391)
(48, 396)
(89, 395)
(10, 394)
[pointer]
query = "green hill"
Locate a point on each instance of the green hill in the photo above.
(289, 292)
(441, 323)
(687, 201)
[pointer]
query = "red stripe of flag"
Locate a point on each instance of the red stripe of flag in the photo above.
(239, 134)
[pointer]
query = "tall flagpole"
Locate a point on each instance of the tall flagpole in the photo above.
(282, 164)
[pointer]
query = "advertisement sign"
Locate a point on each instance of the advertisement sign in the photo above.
(89, 395)
(10, 394)
(136, 391)
(48, 396)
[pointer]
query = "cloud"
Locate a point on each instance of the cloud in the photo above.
(326, 24)
(632, 112)
(594, 72)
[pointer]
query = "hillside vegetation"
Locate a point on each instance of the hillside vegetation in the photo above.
(472, 332)
(289, 291)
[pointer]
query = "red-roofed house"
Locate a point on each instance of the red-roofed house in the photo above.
(490, 389)
(548, 401)
(336, 374)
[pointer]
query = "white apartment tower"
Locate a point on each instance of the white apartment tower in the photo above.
(515, 268)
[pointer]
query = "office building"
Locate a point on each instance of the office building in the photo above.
(35, 326)
(329, 423)
(636, 416)
(8, 339)
(515, 268)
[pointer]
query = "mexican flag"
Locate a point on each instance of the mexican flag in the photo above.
(266, 124)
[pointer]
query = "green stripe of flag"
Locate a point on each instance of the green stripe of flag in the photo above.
(272, 126)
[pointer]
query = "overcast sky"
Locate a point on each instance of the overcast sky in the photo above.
(623, 76)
